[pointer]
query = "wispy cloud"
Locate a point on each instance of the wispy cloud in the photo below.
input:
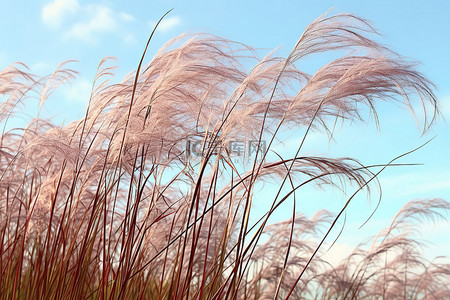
(54, 12)
(418, 183)
(89, 22)
(445, 107)
(101, 20)
(41, 67)
(338, 253)
(2, 60)
(166, 24)
(79, 91)
(126, 17)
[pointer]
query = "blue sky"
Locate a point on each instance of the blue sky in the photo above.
(44, 33)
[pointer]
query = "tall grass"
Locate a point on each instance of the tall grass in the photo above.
(112, 207)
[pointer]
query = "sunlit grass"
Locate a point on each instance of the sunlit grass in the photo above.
(112, 207)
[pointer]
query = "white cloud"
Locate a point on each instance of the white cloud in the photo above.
(79, 91)
(126, 17)
(88, 22)
(445, 107)
(434, 234)
(129, 38)
(337, 253)
(418, 183)
(166, 24)
(101, 20)
(2, 60)
(438, 185)
(41, 67)
(54, 12)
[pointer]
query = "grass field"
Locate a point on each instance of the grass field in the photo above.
(111, 206)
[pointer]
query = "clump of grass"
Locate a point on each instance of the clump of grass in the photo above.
(390, 265)
(112, 207)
